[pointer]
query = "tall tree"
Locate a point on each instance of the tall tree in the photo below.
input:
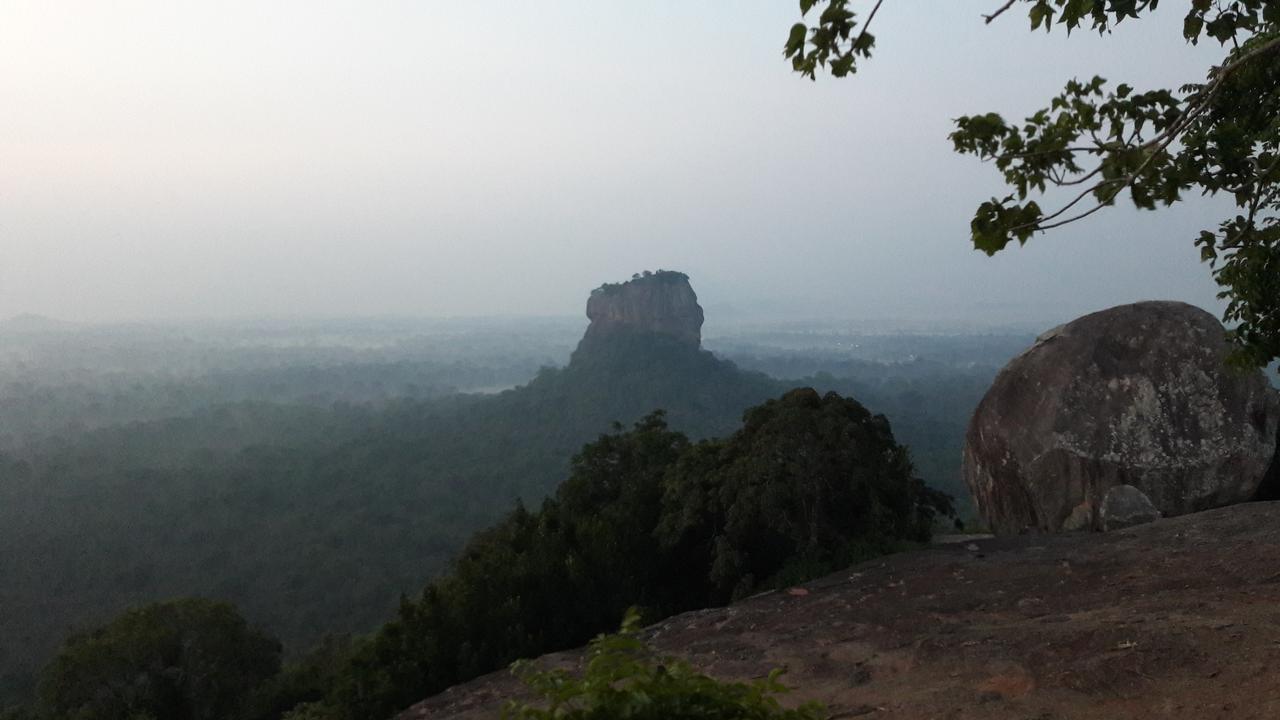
(1100, 140)
(179, 660)
(811, 483)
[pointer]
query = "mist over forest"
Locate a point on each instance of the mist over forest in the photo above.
(974, 413)
(214, 458)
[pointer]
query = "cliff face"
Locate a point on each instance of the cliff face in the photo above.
(662, 303)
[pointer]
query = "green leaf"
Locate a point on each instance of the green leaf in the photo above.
(1192, 27)
(1041, 14)
(795, 41)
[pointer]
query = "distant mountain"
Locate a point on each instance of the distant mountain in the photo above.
(319, 526)
(32, 323)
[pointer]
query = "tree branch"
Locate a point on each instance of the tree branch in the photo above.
(1089, 191)
(1260, 176)
(866, 25)
(1262, 49)
(1037, 153)
(1074, 218)
(1081, 180)
(990, 18)
(1196, 106)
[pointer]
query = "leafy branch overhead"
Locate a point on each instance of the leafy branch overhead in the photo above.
(1097, 143)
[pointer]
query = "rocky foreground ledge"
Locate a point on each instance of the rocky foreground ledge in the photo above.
(1176, 619)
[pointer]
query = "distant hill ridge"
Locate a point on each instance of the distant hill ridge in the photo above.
(31, 322)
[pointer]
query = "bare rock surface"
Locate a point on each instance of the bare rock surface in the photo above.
(1175, 619)
(1135, 395)
(661, 302)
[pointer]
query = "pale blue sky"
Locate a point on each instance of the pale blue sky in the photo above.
(166, 159)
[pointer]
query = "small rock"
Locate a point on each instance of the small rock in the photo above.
(1032, 607)
(1081, 517)
(1125, 506)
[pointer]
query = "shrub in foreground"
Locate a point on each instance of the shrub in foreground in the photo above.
(625, 680)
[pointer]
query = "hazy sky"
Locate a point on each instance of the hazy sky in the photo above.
(285, 158)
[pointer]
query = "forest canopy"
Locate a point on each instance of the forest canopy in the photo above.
(645, 518)
(178, 660)
(314, 516)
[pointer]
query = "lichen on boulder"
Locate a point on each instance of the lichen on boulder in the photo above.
(1136, 395)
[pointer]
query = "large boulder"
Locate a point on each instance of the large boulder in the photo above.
(661, 303)
(1137, 395)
